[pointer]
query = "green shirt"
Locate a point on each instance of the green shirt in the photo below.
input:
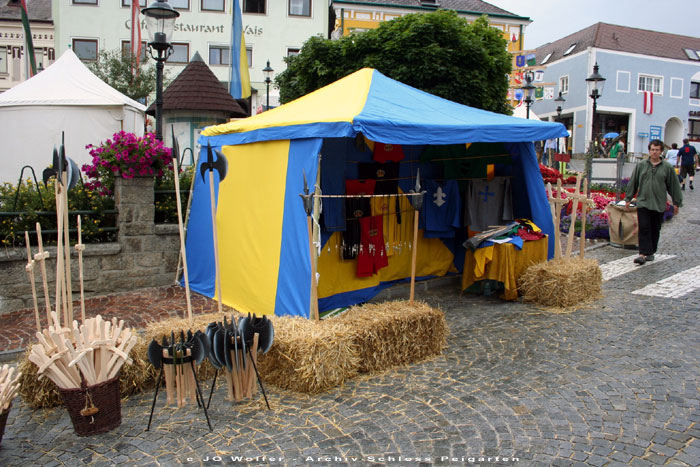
(651, 183)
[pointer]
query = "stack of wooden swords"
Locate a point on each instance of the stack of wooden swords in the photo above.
(93, 351)
(8, 387)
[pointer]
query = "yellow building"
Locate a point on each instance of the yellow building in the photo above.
(361, 15)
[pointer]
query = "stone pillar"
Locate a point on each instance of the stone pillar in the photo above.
(141, 253)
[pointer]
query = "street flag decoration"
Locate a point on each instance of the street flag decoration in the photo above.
(28, 37)
(239, 79)
(136, 34)
(648, 102)
(530, 59)
(520, 61)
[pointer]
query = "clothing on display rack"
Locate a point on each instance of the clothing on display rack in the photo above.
(441, 209)
(354, 209)
(371, 256)
(488, 203)
(387, 152)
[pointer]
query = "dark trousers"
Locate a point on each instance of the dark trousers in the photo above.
(649, 223)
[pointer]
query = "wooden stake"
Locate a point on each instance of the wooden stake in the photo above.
(313, 312)
(183, 253)
(42, 256)
(30, 270)
(584, 208)
(216, 241)
(79, 247)
(66, 246)
(413, 256)
(572, 227)
(60, 269)
(556, 202)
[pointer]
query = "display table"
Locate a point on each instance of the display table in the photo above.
(504, 263)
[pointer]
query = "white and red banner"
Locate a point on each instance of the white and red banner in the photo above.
(136, 32)
(648, 102)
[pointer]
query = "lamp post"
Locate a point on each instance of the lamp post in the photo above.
(560, 101)
(595, 84)
(528, 89)
(267, 71)
(160, 22)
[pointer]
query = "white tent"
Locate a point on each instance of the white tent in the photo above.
(66, 97)
(520, 111)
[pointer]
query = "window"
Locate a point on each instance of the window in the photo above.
(85, 49)
(300, 7)
(249, 56)
(126, 49)
(570, 49)
(676, 88)
(624, 79)
(291, 52)
(691, 54)
(219, 55)
(127, 3)
(212, 5)
(694, 129)
(649, 83)
(546, 59)
(564, 84)
(180, 4)
(694, 90)
(254, 6)
(181, 53)
(84, 2)
(3, 59)
(39, 58)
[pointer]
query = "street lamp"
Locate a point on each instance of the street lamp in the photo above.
(528, 89)
(560, 101)
(595, 84)
(267, 71)
(160, 22)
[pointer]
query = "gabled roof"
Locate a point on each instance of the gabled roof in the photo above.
(39, 10)
(197, 88)
(621, 39)
(462, 6)
(66, 82)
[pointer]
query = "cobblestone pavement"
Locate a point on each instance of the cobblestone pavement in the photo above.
(614, 383)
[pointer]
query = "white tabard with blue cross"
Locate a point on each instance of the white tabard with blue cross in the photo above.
(488, 203)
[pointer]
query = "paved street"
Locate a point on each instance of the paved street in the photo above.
(614, 383)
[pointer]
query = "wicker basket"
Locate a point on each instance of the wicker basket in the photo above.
(3, 421)
(105, 396)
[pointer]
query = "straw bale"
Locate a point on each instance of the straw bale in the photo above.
(306, 356)
(395, 333)
(562, 283)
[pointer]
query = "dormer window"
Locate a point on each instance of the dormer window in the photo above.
(430, 3)
(546, 59)
(570, 49)
(692, 54)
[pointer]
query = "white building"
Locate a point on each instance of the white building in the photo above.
(14, 66)
(273, 30)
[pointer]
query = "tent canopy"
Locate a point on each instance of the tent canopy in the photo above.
(383, 110)
(66, 82)
(65, 98)
(262, 226)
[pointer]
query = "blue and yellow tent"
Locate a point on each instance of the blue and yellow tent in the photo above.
(261, 222)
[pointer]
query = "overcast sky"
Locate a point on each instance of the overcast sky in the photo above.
(554, 19)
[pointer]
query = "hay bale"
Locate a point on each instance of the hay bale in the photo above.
(395, 333)
(561, 283)
(310, 357)
(306, 357)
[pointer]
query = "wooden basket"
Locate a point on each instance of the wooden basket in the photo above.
(105, 396)
(3, 421)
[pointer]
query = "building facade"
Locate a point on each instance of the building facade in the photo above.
(273, 30)
(652, 87)
(354, 16)
(14, 65)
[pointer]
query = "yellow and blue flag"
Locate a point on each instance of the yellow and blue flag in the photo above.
(239, 78)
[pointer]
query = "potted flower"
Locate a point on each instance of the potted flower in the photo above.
(126, 155)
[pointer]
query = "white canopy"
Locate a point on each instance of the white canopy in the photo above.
(66, 97)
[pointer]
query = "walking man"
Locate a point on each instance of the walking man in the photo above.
(689, 159)
(650, 181)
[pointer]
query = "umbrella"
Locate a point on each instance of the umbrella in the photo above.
(612, 134)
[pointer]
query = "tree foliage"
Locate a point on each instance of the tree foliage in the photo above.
(114, 68)
(438, 52)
